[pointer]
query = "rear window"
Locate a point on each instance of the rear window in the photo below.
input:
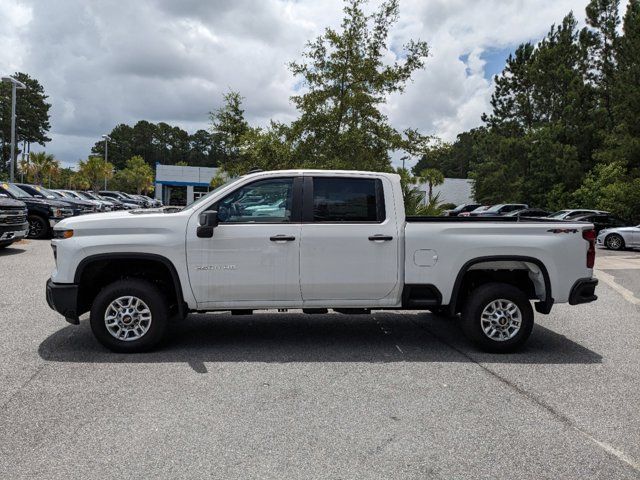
(347, 200)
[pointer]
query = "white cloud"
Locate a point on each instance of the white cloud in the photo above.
(108, 62)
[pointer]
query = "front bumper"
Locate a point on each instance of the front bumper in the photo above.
(13, 233)
(63, 298)
(583, 291)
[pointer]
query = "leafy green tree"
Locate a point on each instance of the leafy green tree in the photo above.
(228, 126)
(96, 171)
(603, 20)
(137, 176)
(42, 167)
(432, 177)
(347, 80)
(32, 112)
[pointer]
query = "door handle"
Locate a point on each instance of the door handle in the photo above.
(282, 238)
(381, 238)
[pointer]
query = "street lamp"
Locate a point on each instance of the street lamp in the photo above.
(15, 84)
(106, 155)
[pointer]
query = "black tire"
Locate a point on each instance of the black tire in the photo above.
(481, 298)
(150, 295)
(614, 242)
(38, 227)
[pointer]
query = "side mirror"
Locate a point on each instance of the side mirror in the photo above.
(208, 221)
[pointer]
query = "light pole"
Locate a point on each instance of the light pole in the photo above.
(106, 155)
(15, 84)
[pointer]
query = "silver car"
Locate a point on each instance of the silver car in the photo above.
(619, 238)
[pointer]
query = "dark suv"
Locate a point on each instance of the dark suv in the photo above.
(13, 220)
(79, 207)
(42, 213)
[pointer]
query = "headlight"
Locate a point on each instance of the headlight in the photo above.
(56, 212)
(62, 234)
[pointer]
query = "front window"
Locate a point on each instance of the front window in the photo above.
(264, 201)
(15, 191)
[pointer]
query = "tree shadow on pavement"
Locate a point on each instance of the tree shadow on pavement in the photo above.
(280, 338)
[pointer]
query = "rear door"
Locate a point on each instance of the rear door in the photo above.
(349, 242)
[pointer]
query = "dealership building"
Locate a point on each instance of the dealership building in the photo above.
(177, 185)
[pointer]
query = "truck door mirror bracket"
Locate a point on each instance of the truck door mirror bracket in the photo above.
(208, 221)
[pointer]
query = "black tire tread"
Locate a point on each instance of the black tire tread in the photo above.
(151, 295)
(476, 302)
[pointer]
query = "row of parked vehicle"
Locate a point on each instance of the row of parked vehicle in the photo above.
(613, 232)
(32, 210)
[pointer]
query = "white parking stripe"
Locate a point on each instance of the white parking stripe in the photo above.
(609, 280)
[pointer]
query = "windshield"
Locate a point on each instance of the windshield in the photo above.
(84, 196)
(15, 191)
(495, 208)
(47, 193)
(558, 214)
(217, 189)
(72, 194)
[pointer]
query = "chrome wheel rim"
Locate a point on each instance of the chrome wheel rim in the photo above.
(501, 320)
(127, 318)
(613, 242)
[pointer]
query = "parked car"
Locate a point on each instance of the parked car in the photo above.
(100, 206)
(570, 214)
(79, 207)
(114, 202)
(602, 220)
(42, 213)
(619, 238)
(463, 208)
(500, 209)
(154, 201)
(13, 220)
(128, 202)
(473, 213)
(529, 212)
(347, 246)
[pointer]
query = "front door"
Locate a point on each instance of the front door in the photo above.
(349, 248)
(253, 258)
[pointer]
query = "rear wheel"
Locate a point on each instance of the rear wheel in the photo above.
(614, 242)
(498, 317)
(38, 227)
(129, 316)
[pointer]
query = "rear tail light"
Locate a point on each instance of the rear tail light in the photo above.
(590, 236)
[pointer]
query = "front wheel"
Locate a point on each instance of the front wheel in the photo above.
(498, 317)
(38, 227)
(129, 316)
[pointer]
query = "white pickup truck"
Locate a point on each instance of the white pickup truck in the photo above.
(314, 240)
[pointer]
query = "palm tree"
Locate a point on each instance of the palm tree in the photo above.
(42, 166)
(432, 177)
(95, 170)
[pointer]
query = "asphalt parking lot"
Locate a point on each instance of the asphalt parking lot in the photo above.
(343, 397)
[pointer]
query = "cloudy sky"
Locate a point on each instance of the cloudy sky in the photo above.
(104, 62)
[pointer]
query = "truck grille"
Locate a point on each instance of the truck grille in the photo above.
(13, 217)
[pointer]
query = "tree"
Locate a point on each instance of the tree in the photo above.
(603, 18)
(137, 175)
(432, 177)
(96, 171)
(32, 112)
(228, 126)
(347, 80)
(42, 167)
